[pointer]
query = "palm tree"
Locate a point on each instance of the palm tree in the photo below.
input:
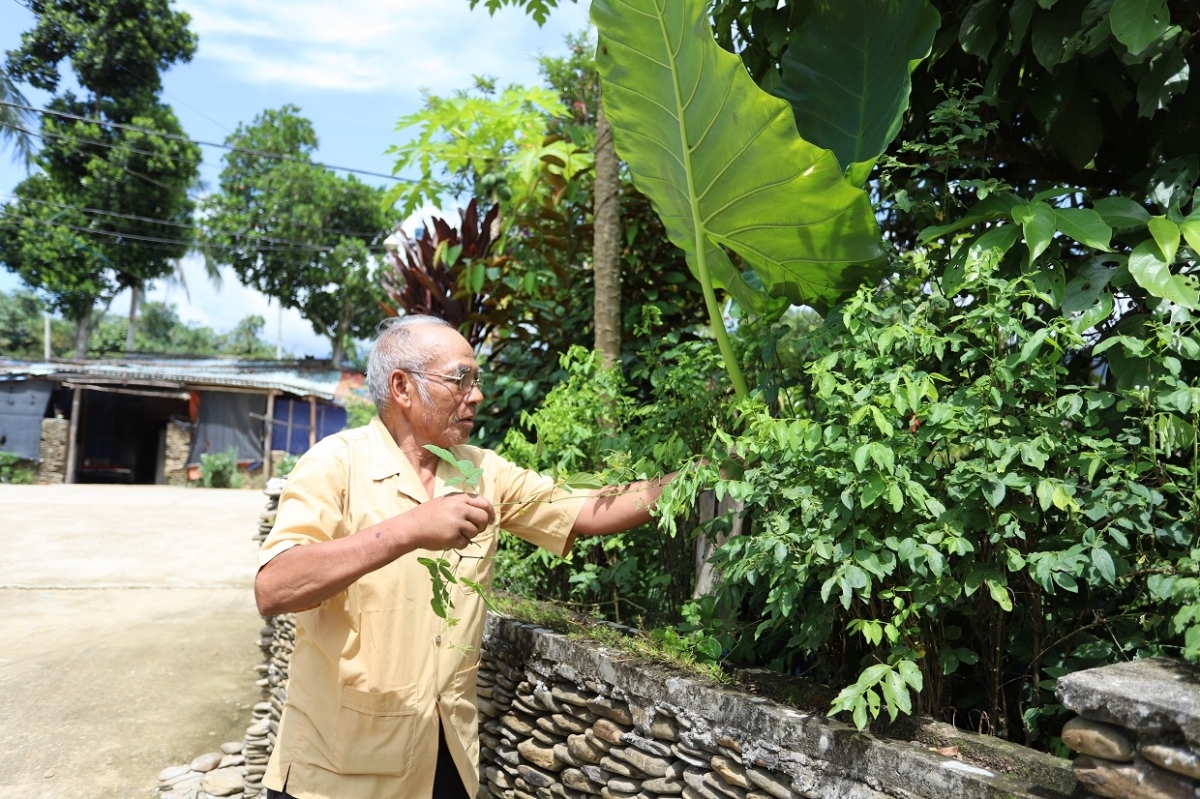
(15, 122)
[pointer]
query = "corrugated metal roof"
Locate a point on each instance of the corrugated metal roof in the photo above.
(303, 378)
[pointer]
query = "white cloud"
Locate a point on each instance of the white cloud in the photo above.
(376, 45)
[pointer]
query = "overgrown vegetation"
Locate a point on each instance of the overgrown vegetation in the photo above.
(219, 469)
(958, 485)
(14, 470)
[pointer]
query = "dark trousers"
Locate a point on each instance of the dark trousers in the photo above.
(446, 782)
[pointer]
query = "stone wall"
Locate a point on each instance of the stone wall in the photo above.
(178, 442)
(1138, 729)
(52, 463)
(567, 719)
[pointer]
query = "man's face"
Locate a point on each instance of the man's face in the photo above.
(446, 418)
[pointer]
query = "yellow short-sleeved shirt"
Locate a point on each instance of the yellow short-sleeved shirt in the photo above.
(374, 667)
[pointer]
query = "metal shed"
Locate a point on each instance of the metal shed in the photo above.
(143, 420)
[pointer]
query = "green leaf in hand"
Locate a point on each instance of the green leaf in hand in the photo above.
(582, 480)
(471, 473)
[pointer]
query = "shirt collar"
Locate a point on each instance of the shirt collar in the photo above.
(387, 461)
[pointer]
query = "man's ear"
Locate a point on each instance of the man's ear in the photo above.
(402, 389)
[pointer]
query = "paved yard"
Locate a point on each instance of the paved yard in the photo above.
(127, 634)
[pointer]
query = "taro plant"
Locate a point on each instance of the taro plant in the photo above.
(758, 211)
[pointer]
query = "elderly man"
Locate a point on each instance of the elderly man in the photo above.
(381, 696)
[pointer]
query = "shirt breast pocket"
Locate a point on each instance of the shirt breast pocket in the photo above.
(376, 732)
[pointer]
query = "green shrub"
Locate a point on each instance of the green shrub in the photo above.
(15, 470)
(285, 464)
(958, 511)
(359, 412)
(593, 422)
(219, 470)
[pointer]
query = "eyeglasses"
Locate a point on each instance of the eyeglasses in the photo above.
(465, 383)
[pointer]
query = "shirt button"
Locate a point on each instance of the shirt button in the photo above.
(438, 640)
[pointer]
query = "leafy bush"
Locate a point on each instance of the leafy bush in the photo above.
(981, 475)
(594, 421)
(960, 512)
(359, 412)
(284, 466)
(219, 470)
(14, 470)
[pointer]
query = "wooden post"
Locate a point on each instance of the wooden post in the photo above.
(270, 425)
(73, 435)
(291, 410)
(312, 422)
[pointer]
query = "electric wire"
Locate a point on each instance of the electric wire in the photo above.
(43, 135)
(186, 226)
(292, 247)
(174, 137)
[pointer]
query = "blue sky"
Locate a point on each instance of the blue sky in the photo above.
(353, 67)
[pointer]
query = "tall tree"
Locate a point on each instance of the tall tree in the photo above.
(108, 209)
(298, 232)
(15, 121)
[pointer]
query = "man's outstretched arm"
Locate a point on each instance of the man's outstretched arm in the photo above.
(616, 509)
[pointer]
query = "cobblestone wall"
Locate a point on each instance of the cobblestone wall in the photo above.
(52, 463)
(1138, 732)
(567, 719)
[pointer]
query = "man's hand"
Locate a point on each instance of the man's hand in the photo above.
(303, 577)
(448, 522)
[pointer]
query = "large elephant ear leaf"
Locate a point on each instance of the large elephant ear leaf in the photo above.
(721, 161)
(846, 73)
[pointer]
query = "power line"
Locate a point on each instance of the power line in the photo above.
(231, 148)
(186, 226)
(118, 234)
(146, 82)
(43, 135)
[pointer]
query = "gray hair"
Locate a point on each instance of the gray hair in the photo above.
(397, 348)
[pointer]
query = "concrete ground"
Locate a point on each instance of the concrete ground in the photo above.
(128, 634)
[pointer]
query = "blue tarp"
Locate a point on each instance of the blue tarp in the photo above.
(291, 417)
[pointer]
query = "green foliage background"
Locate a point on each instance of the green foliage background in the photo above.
(980, 474)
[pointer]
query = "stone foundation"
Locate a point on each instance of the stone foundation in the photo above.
(1138, 730)
(52, 457)
(178, 442)
(568, 719)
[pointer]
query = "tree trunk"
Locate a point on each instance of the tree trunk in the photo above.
(606, 229)
(338, 351)
(135, 292)
(339, 336)
(83, 333)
